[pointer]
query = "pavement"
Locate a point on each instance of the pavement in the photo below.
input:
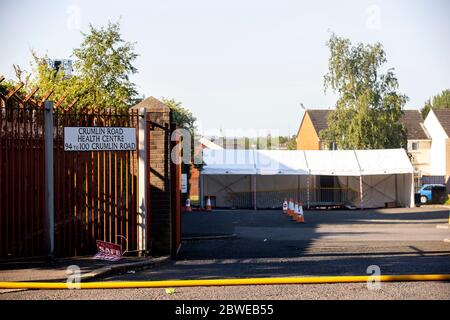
(236, 244)
(90, 268)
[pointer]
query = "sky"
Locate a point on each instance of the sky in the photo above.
(241, 66)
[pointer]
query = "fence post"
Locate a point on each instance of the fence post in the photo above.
(307, 193)
(142, 183)
(361, 192)
(49, 186)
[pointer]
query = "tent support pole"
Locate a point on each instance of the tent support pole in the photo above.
(346, 196)
(307, 192)
(201, 186)
(396, 190)
(361, 192)
(254, 192)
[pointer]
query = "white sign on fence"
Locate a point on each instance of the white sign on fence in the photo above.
(99, 138)
(183, 183)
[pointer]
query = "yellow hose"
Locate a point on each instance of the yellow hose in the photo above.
(222, 282)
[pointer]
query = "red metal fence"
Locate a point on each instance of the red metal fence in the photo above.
(22, 213)
(95, 192)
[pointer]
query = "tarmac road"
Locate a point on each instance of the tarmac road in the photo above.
(269, 244)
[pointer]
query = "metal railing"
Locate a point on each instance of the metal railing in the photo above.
(95, 192)
(271, 199)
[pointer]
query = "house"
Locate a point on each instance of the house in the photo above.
(313, 121)
(437, 124)
(419, 141)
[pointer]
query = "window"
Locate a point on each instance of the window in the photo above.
(414, 146)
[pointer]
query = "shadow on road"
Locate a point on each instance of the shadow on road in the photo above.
(268, 243)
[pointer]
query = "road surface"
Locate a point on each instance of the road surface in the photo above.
(269, 244)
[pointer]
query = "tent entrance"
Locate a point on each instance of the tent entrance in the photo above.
(269, 191)
(329, 192)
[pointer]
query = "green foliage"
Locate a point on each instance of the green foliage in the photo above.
(441, 100)
(5, 86)
(102, 69)
(180, 115)
(291, 144)
(105, 62)
(447, 202)
(185, 120)
(369, 107)
(286, 142)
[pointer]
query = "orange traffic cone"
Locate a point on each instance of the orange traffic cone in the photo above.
(290, 207)
(188, 205)
(300, 216)
(285, 206)
(295, 213)
(208, 205)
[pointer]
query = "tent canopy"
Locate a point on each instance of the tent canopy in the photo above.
(298, 162)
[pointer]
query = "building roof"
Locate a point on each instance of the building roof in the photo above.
(319, 118)
(306, 162)
(412, 119)
(152, 104)
(443, 115)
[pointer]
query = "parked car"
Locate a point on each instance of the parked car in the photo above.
(433, 193)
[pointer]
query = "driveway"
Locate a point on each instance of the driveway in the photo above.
(268, 243)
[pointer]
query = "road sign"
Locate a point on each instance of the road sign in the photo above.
(99, 139)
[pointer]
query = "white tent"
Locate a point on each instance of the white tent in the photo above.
(263, 178)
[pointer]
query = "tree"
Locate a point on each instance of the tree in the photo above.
(180, 115)
(102, 69)
(369, 107)
(292, 143)
(441, 100)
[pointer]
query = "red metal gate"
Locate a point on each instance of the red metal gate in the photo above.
(95, 195)
(95, 191)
